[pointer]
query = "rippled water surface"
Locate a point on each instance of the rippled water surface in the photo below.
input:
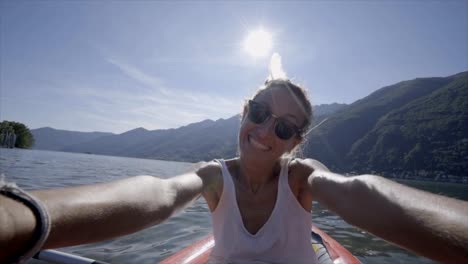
(33, 169)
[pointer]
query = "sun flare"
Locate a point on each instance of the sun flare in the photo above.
(258, 43)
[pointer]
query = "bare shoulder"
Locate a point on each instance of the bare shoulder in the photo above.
(301, 169)
(211, 175)
(299, 172)
(306, 166)
(207, 169)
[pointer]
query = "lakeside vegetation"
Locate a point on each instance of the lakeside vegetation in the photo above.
(15, 135)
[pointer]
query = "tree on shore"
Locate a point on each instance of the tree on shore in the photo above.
(15, 134)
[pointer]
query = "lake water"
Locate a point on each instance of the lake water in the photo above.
(34, 169)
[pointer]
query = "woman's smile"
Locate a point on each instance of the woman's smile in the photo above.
(257, 144)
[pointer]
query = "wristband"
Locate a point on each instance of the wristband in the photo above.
(39, 211)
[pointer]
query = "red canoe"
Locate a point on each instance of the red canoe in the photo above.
(326, 248)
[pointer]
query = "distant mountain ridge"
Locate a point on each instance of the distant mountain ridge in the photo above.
(48, 138)
(193, 142)
(416, 125)
(197, 141)
(327, 109)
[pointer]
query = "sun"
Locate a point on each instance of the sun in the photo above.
(258, 43)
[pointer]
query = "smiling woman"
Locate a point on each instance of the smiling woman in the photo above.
(258, 43)
(260, 202)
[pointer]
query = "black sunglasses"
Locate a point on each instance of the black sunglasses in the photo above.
(260, 113)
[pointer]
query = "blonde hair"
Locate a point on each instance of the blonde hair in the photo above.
(300, 95)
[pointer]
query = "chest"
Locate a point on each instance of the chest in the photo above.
(256, 209)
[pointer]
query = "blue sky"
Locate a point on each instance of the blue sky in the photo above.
(117, 65)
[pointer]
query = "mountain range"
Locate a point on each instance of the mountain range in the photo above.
(418, 125)
(203, 140)
(48, 138)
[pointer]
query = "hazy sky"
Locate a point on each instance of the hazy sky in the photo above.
(117, 65)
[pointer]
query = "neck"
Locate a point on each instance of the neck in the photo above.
(254, 175)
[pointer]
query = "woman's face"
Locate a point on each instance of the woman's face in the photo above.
(259, 141)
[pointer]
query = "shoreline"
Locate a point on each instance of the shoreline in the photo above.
(422, 175)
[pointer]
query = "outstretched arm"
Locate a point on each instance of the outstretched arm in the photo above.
(93, 213)
(97, 212)
(427, 224)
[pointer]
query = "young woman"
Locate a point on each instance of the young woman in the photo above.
(260, 201)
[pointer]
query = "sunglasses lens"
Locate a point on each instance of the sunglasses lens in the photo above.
(258, 113)
(283, 130)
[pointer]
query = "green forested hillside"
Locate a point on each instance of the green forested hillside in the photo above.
(430, 133)
(410, 126)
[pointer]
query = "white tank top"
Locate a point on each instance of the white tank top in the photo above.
(284, 238)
